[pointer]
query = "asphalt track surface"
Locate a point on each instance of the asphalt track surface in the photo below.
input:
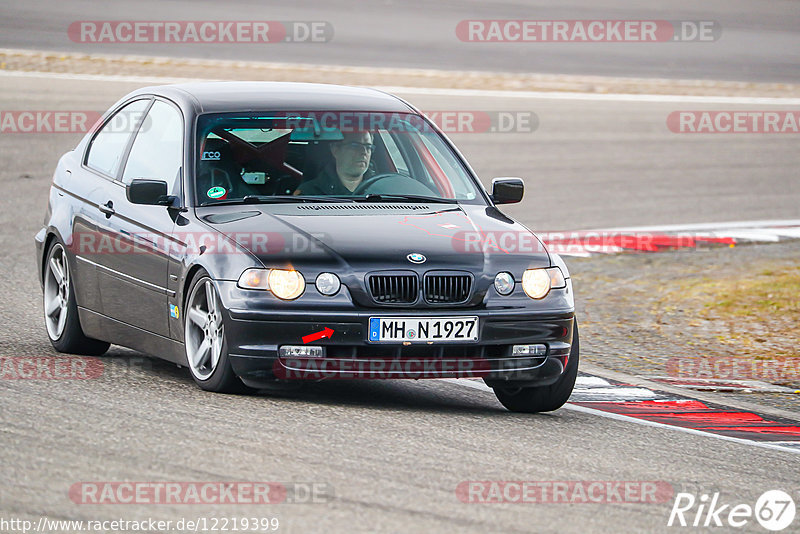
(758, 40)
(389, 453)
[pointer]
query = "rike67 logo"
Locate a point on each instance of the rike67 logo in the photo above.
(774, 510)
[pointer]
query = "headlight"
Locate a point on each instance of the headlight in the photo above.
(328, 284)
(254, 279)
(286, 285)
(504, 283)
(557, 280)
(537, 283)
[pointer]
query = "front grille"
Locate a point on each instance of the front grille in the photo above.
(394, 288)
(447, 288)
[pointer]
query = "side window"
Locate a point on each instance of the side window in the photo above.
(108, 146)
(157, 151)
(447, 161)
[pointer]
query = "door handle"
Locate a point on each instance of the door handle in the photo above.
(107, 208)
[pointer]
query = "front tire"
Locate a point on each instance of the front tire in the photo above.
(204, 339)
(544, 398)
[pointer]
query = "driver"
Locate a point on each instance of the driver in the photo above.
(351, 158)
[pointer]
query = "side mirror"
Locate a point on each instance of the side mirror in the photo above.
(151, 192)
(507, 190)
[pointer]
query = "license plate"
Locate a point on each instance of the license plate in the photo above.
(436, 329)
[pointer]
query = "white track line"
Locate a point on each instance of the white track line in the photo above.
(613, 394)
(790, 444)
(712, 384)
(788, 232)
(99, 77)
(590, 381)
(717, 226)
(792, 447)
(749, 235)
(473, 93)
(572, 253)
(601, 97)
(625, 418)
(594, 388)
(755, 231)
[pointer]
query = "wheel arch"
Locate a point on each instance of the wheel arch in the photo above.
(48, 242)
(191, 274)
(51, 236)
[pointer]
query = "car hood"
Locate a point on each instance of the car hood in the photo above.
(361, 237)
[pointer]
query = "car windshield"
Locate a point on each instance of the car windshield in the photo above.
(324, 156)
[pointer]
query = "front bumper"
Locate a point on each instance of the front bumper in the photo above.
(255, 336)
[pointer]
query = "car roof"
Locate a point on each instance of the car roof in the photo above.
(221, 97)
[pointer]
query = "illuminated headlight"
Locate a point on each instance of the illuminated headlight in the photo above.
(286, 285)
(328, 284)
(537, 283)
(504, 283)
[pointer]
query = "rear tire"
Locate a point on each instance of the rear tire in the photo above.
(544, 398)
(61, 309)
(206, 346)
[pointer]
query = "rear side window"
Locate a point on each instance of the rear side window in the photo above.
(157, 151)
(108, 146)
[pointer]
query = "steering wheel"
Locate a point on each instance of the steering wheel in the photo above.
(400, 185)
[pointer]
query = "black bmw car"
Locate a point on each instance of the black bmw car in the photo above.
(262, 233)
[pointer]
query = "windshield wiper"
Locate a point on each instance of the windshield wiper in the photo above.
(276, 199)
(407, 198)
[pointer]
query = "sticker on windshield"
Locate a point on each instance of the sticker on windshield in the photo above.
(217, 192)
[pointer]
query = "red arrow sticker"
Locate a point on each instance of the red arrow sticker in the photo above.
(318, 335)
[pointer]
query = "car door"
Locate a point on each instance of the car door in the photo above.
(89, 184)
(133, 280)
